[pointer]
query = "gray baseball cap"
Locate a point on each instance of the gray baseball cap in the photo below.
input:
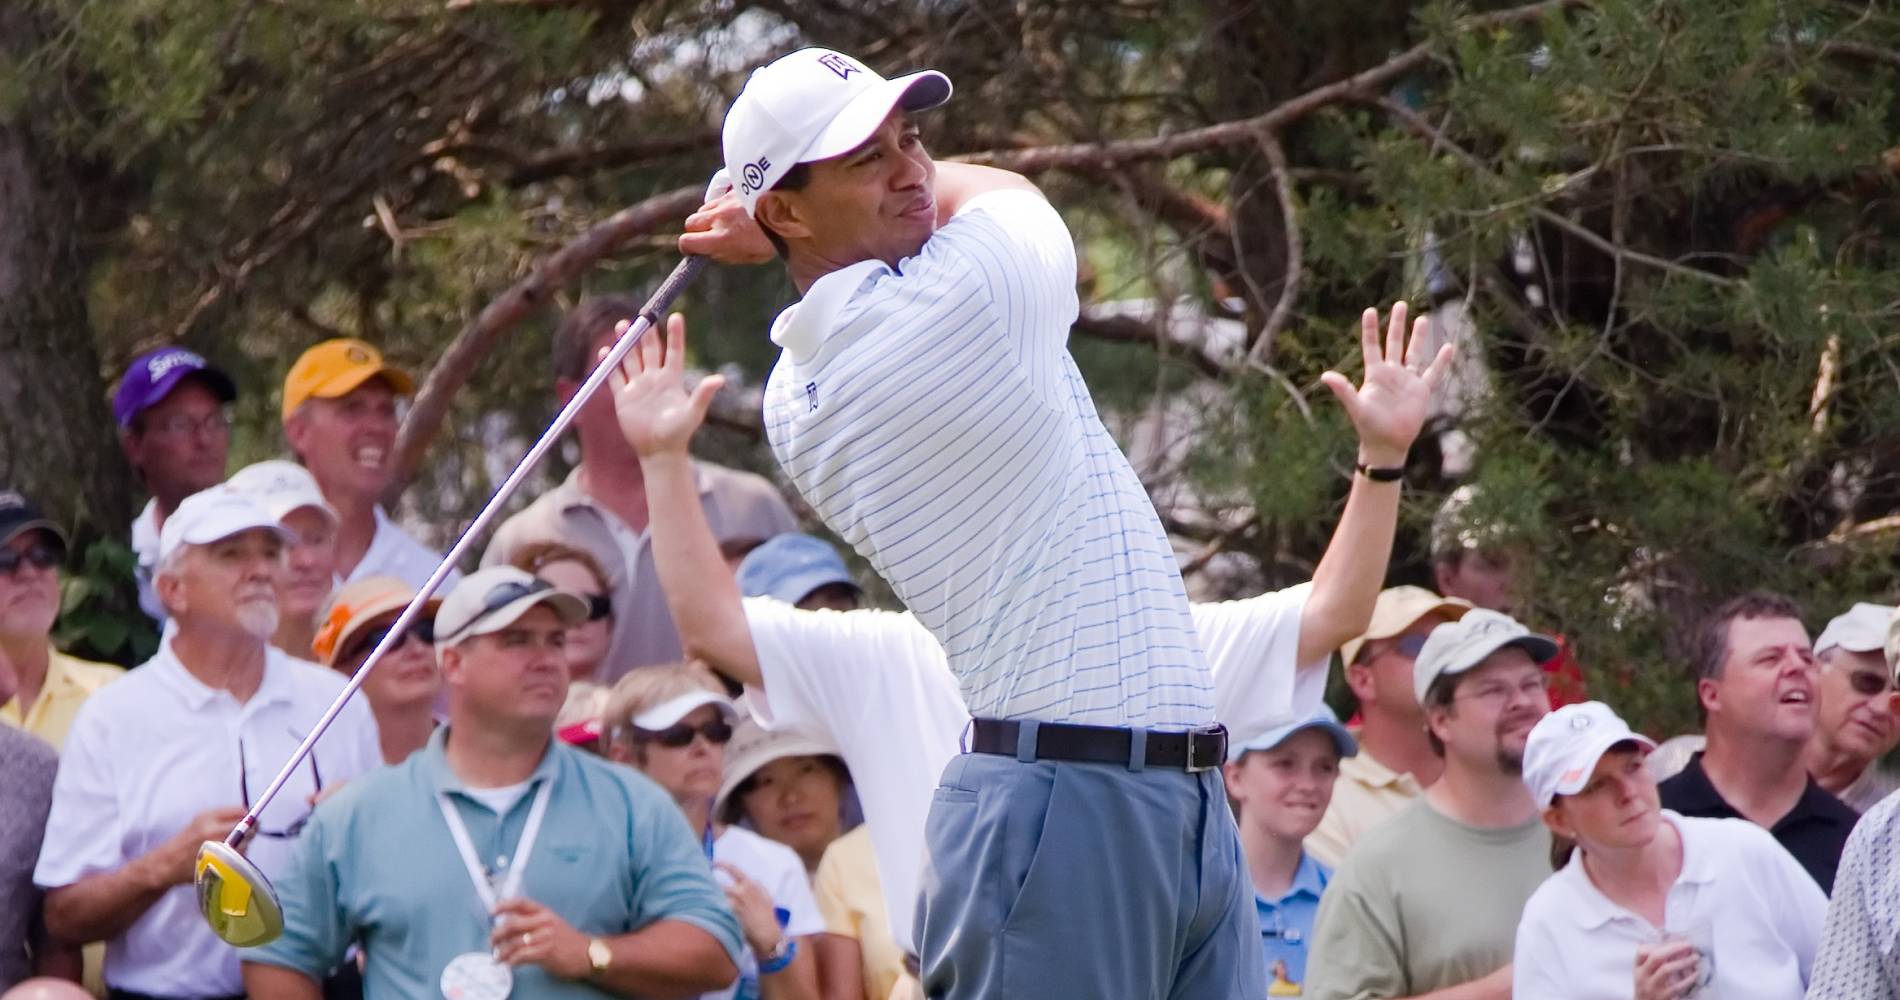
(1456, 647)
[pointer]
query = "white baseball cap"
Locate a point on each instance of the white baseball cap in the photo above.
(213, 515)
(813, 104)
(493, 598)
(672, 710)
(1863, 629)
(281, 487)
(1456, 647)
(1564, 747)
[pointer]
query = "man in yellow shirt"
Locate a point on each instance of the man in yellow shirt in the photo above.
(1395, 762)
(42, 688)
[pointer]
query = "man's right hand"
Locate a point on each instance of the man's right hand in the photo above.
(175, 861)
(657, 414)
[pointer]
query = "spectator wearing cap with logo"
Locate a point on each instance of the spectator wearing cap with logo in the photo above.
(588, 643)
(498, 858)
(339, 412)
(1429, 900)
(799, 570)
(672, 723)
(169, 757)
(1396, 761)
(289, 493)
(1280, 783)
(1755, 689)
(1648, 904)
(402, 689)
(1856, 718)
(1858, 959)
(41, 688)
(601, 508)
(176, 435)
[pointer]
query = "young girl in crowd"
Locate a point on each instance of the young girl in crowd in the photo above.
(1648, 904)
(402, 689)
(787, 787)
(1280, 783)
(673, 724)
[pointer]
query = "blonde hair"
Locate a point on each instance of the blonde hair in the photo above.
(649, 686)
(536, 556)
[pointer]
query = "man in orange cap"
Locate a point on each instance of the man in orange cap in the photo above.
(340, 421)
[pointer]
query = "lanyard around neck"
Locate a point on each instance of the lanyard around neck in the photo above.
(517, 862)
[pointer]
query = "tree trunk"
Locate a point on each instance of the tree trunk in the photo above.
(56, 437)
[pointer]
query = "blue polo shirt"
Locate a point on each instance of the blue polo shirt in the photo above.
(1286, 924)
(377, 866)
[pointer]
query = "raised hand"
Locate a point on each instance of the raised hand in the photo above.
(656, 412)
(1389, 407)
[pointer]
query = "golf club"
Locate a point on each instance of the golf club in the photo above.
(236, 898)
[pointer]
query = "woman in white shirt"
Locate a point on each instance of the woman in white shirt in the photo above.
(1651, 905)
(673, 723)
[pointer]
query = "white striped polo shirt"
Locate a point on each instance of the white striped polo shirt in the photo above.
(934, 419)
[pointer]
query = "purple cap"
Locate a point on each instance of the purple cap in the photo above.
(154, 375)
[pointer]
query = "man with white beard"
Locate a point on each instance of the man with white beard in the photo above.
(171, 755)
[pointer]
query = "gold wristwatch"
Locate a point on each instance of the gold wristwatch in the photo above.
(599, 956)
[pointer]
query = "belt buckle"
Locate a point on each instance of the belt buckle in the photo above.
(1190, 766)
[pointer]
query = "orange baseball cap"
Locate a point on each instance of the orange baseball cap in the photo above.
(355, 606)
(335, 368)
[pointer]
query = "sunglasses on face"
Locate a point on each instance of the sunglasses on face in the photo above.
(717, 732)
(599, 606)
(40, 556)
(1866, 683)
(422, 631)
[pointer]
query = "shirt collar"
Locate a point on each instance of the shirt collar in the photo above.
(274, 688)
(442, 778)
(802, 328)
(1593, 909)
(1361, 767)
(1309, 880)
(1693, 792)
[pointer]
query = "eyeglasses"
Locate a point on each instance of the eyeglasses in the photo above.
(599, 606)
(40, 556)
(718, 732)
(244, 788)
(500, 596)
(1867, 683)
(1500, 693)
(179, 425)
(422, 631)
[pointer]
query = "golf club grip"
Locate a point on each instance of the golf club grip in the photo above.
(663, 297)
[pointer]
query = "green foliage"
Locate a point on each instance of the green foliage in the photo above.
(99, 617)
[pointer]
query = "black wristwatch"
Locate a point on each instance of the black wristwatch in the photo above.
(1386, 474)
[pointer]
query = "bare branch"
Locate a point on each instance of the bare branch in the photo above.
(1262, 347)
(523, 299)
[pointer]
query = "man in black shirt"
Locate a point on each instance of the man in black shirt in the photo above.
(1755, 688)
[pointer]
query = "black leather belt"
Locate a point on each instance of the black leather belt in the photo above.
(1191, 751)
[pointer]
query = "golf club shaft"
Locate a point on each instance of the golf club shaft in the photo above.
(648, 318)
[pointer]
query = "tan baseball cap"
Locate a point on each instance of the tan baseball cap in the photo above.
(1396, 610)
(753, 746)
(491, 599)
(354, 606)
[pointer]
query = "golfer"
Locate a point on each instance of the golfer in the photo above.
(926, 406)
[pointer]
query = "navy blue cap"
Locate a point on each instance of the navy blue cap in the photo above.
(153, 375)
(790, 566)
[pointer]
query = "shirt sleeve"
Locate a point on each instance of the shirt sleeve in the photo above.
(1019, 251)
(832, 896)
(84, 835)
(1356, 953)
(1849, 961)
(316, 931)
(1251, 647)
(824, 669)
(671, 878)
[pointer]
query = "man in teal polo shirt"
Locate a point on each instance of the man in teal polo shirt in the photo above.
(498, 860)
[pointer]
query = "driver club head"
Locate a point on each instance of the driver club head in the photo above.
(235, 897)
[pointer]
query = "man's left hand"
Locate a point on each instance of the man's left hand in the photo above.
(1389, 407)
(527, 933)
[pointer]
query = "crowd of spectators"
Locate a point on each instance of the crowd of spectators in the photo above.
(657, 745)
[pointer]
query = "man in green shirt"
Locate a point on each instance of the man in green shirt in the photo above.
(1427, 903)
(497, 855)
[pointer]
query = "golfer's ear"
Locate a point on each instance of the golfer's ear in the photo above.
(783, 213)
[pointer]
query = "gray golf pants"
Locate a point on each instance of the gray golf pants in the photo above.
(1048, 879)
